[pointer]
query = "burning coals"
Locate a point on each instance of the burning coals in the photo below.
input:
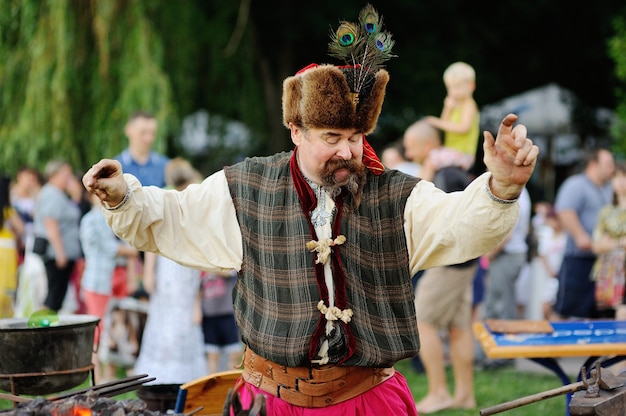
(89, 404)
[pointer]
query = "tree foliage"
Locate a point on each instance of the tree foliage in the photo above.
(617, 46)
(71, 71)
(72, 77)
(74, 70)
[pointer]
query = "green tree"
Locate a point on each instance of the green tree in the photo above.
(72, 70)
(617, 47)
(72, 76)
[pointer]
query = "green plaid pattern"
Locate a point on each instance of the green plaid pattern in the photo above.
(276, 294)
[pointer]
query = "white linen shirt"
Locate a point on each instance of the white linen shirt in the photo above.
(198, 227)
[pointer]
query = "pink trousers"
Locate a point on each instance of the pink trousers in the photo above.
(392, 397)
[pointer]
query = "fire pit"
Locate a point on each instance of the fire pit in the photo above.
(80, 406)
(87, 404)
(45, 360)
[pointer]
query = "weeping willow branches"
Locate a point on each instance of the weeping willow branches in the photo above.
(60, 94)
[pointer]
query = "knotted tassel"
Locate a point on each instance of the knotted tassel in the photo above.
(323, 246)
(334, 313)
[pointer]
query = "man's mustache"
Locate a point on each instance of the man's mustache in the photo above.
(351, 164)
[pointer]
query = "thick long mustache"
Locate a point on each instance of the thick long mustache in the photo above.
(353, 184)
(328, 174)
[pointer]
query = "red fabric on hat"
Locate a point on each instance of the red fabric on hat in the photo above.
(371, 160)
(309, 66)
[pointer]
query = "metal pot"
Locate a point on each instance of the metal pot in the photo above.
(40, 361)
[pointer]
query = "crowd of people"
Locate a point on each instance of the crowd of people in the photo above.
(58, 253)
(565, 255)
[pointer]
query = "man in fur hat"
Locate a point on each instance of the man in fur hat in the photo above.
(325, 241)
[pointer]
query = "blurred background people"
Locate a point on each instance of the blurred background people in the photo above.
(172, 347)
(578, 202)
(24, 191)
(460, 117)
(443, 305)
(139, 158)
(56, 222)
(609, 244)
(101, 248)
(221, 336)
(11, 232)
(550, 248)
(393, 157)
(422, 145)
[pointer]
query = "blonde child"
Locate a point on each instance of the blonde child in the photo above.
(460, 116)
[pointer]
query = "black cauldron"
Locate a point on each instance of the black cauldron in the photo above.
(59, 355)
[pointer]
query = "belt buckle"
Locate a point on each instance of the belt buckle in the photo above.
(253, 377)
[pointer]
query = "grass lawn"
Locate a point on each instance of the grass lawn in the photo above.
(491, 387)
(495, 387)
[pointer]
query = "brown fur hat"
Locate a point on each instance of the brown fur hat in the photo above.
(321, 97)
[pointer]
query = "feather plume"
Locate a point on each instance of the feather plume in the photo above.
(363, 46)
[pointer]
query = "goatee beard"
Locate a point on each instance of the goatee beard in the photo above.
(353, 184)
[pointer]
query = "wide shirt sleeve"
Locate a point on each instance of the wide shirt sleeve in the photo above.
(196, 227)
(451, 228)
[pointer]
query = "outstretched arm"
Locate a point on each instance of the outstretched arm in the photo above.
(510, 157)
(196, 227)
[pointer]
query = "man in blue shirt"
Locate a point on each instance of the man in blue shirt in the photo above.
(578, 202)
(138, 158)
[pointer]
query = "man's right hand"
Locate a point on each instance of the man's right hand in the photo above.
(105, 180)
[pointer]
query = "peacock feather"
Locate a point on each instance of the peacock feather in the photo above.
(363, 47)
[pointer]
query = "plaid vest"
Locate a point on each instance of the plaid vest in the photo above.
(276, 293)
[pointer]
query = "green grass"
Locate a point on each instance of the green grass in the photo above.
(496, 387)
(491, 388)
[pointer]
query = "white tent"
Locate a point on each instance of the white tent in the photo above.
(548, 114)
(545, 111)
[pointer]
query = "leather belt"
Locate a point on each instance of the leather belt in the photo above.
(311, 387)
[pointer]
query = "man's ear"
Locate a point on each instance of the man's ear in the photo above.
(296, 134)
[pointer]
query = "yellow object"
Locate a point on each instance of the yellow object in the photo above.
(209, 392)
(465, 142)
(8, 267)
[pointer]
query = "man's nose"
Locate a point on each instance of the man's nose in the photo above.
(344, 151)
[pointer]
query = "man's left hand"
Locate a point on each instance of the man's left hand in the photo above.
(510, 157)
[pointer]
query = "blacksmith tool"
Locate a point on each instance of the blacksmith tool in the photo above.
(596, 381)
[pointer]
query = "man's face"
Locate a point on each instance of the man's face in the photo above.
(414, 149)
(606, 165)
(65, 176)
(141, 132)
(27, 179)
(329, 157)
